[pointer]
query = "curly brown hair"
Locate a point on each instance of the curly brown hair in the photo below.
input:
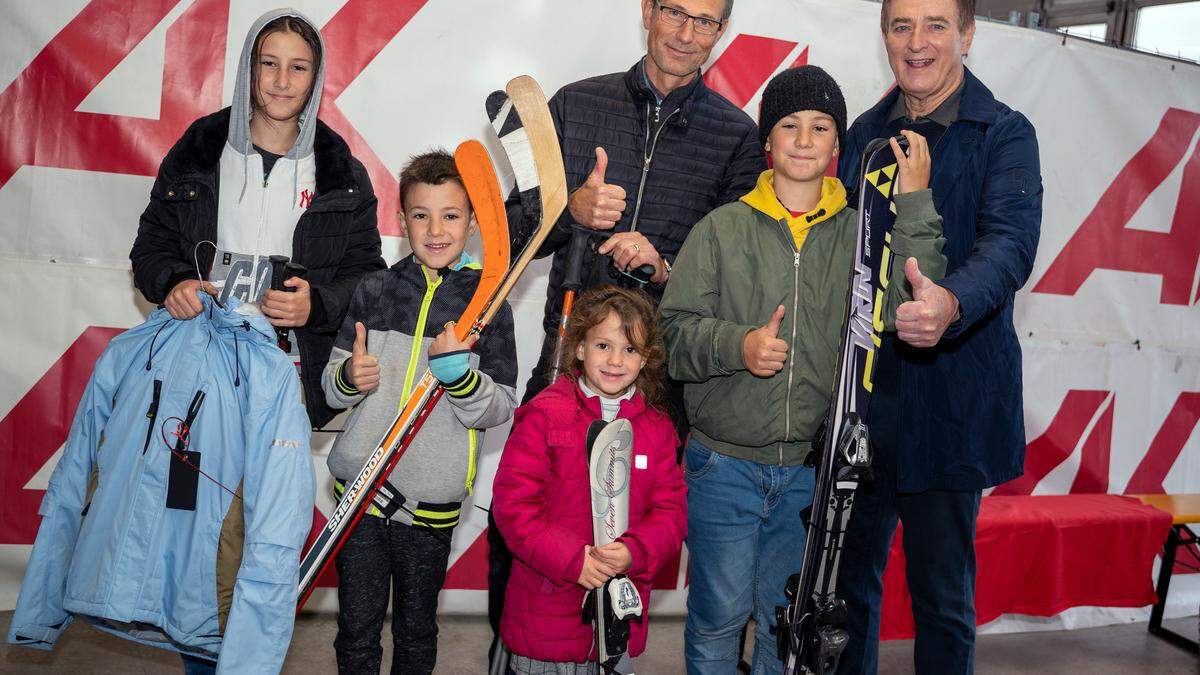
(639, 319)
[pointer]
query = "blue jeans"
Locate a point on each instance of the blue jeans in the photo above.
(745, 538)
(194, 665)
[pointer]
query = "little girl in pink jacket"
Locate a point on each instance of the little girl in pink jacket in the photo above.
(541, 496)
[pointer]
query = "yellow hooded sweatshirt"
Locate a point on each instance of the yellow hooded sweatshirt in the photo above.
(762, 198)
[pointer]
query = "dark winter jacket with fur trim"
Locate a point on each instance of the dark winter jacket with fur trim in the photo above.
(336, 238)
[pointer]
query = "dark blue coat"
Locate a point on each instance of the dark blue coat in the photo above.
(959, 403)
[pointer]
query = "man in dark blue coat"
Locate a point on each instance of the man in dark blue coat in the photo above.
(946, 417)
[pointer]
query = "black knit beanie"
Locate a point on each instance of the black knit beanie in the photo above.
(801, 88)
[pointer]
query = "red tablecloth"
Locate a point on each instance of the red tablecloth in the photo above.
(1041, 555)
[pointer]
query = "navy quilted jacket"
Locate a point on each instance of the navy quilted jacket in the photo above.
(696, 150)
(960, 402)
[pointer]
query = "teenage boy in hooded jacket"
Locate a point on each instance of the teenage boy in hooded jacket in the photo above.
(753, 316)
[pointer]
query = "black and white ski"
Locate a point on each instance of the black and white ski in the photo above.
(810, 627)
(611, 607)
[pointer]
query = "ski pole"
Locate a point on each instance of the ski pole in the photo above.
(582, 241)
(283, 269)
(572, 283)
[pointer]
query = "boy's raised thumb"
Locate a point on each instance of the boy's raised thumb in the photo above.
(776, 320)
(360, 340)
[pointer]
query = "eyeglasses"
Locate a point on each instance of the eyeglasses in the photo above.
(676, 17)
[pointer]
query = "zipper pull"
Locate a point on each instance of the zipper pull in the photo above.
(657, 109)
(646, 166)
(154, 400)
(796, 260)
(152, 414)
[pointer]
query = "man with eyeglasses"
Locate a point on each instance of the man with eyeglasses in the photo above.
(648, 152)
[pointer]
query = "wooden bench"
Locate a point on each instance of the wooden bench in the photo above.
(1185, 511)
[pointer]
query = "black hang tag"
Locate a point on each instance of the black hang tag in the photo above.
(183, 480)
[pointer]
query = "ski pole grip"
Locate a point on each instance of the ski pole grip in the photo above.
(278, 264)
(643, 274)
(282, 269)
(576, 251)
(292, 269)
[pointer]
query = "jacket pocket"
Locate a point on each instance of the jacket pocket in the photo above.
(698, 411)
(563, 452)
(184, 199)
(180, 191)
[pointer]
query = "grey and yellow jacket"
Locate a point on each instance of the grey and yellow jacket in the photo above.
(403, 313)
(741, 262)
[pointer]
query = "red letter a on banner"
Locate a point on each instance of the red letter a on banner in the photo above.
(1104, 241)
(1054, 446)
(746, 65)
(37, 427)
(356, 34)
(1166, 446)
(37, 111)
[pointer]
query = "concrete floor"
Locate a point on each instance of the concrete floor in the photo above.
(1116, 650)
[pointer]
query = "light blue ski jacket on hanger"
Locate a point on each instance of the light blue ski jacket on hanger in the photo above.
(144, 535)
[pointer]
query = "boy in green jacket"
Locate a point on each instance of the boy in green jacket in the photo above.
(753, 316)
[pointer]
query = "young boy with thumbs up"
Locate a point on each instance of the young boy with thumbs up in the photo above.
(400, 322)
(753, 316)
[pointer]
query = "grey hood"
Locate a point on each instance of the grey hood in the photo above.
(239, 120)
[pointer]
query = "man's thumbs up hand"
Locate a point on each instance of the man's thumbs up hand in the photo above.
(597, 204)
(596, 177)
(922, 321)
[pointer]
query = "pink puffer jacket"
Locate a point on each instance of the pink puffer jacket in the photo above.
(542, 505)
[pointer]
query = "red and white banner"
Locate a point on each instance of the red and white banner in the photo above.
(94, 92)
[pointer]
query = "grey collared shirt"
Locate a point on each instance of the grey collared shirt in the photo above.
(945, 114)
(658, 97)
